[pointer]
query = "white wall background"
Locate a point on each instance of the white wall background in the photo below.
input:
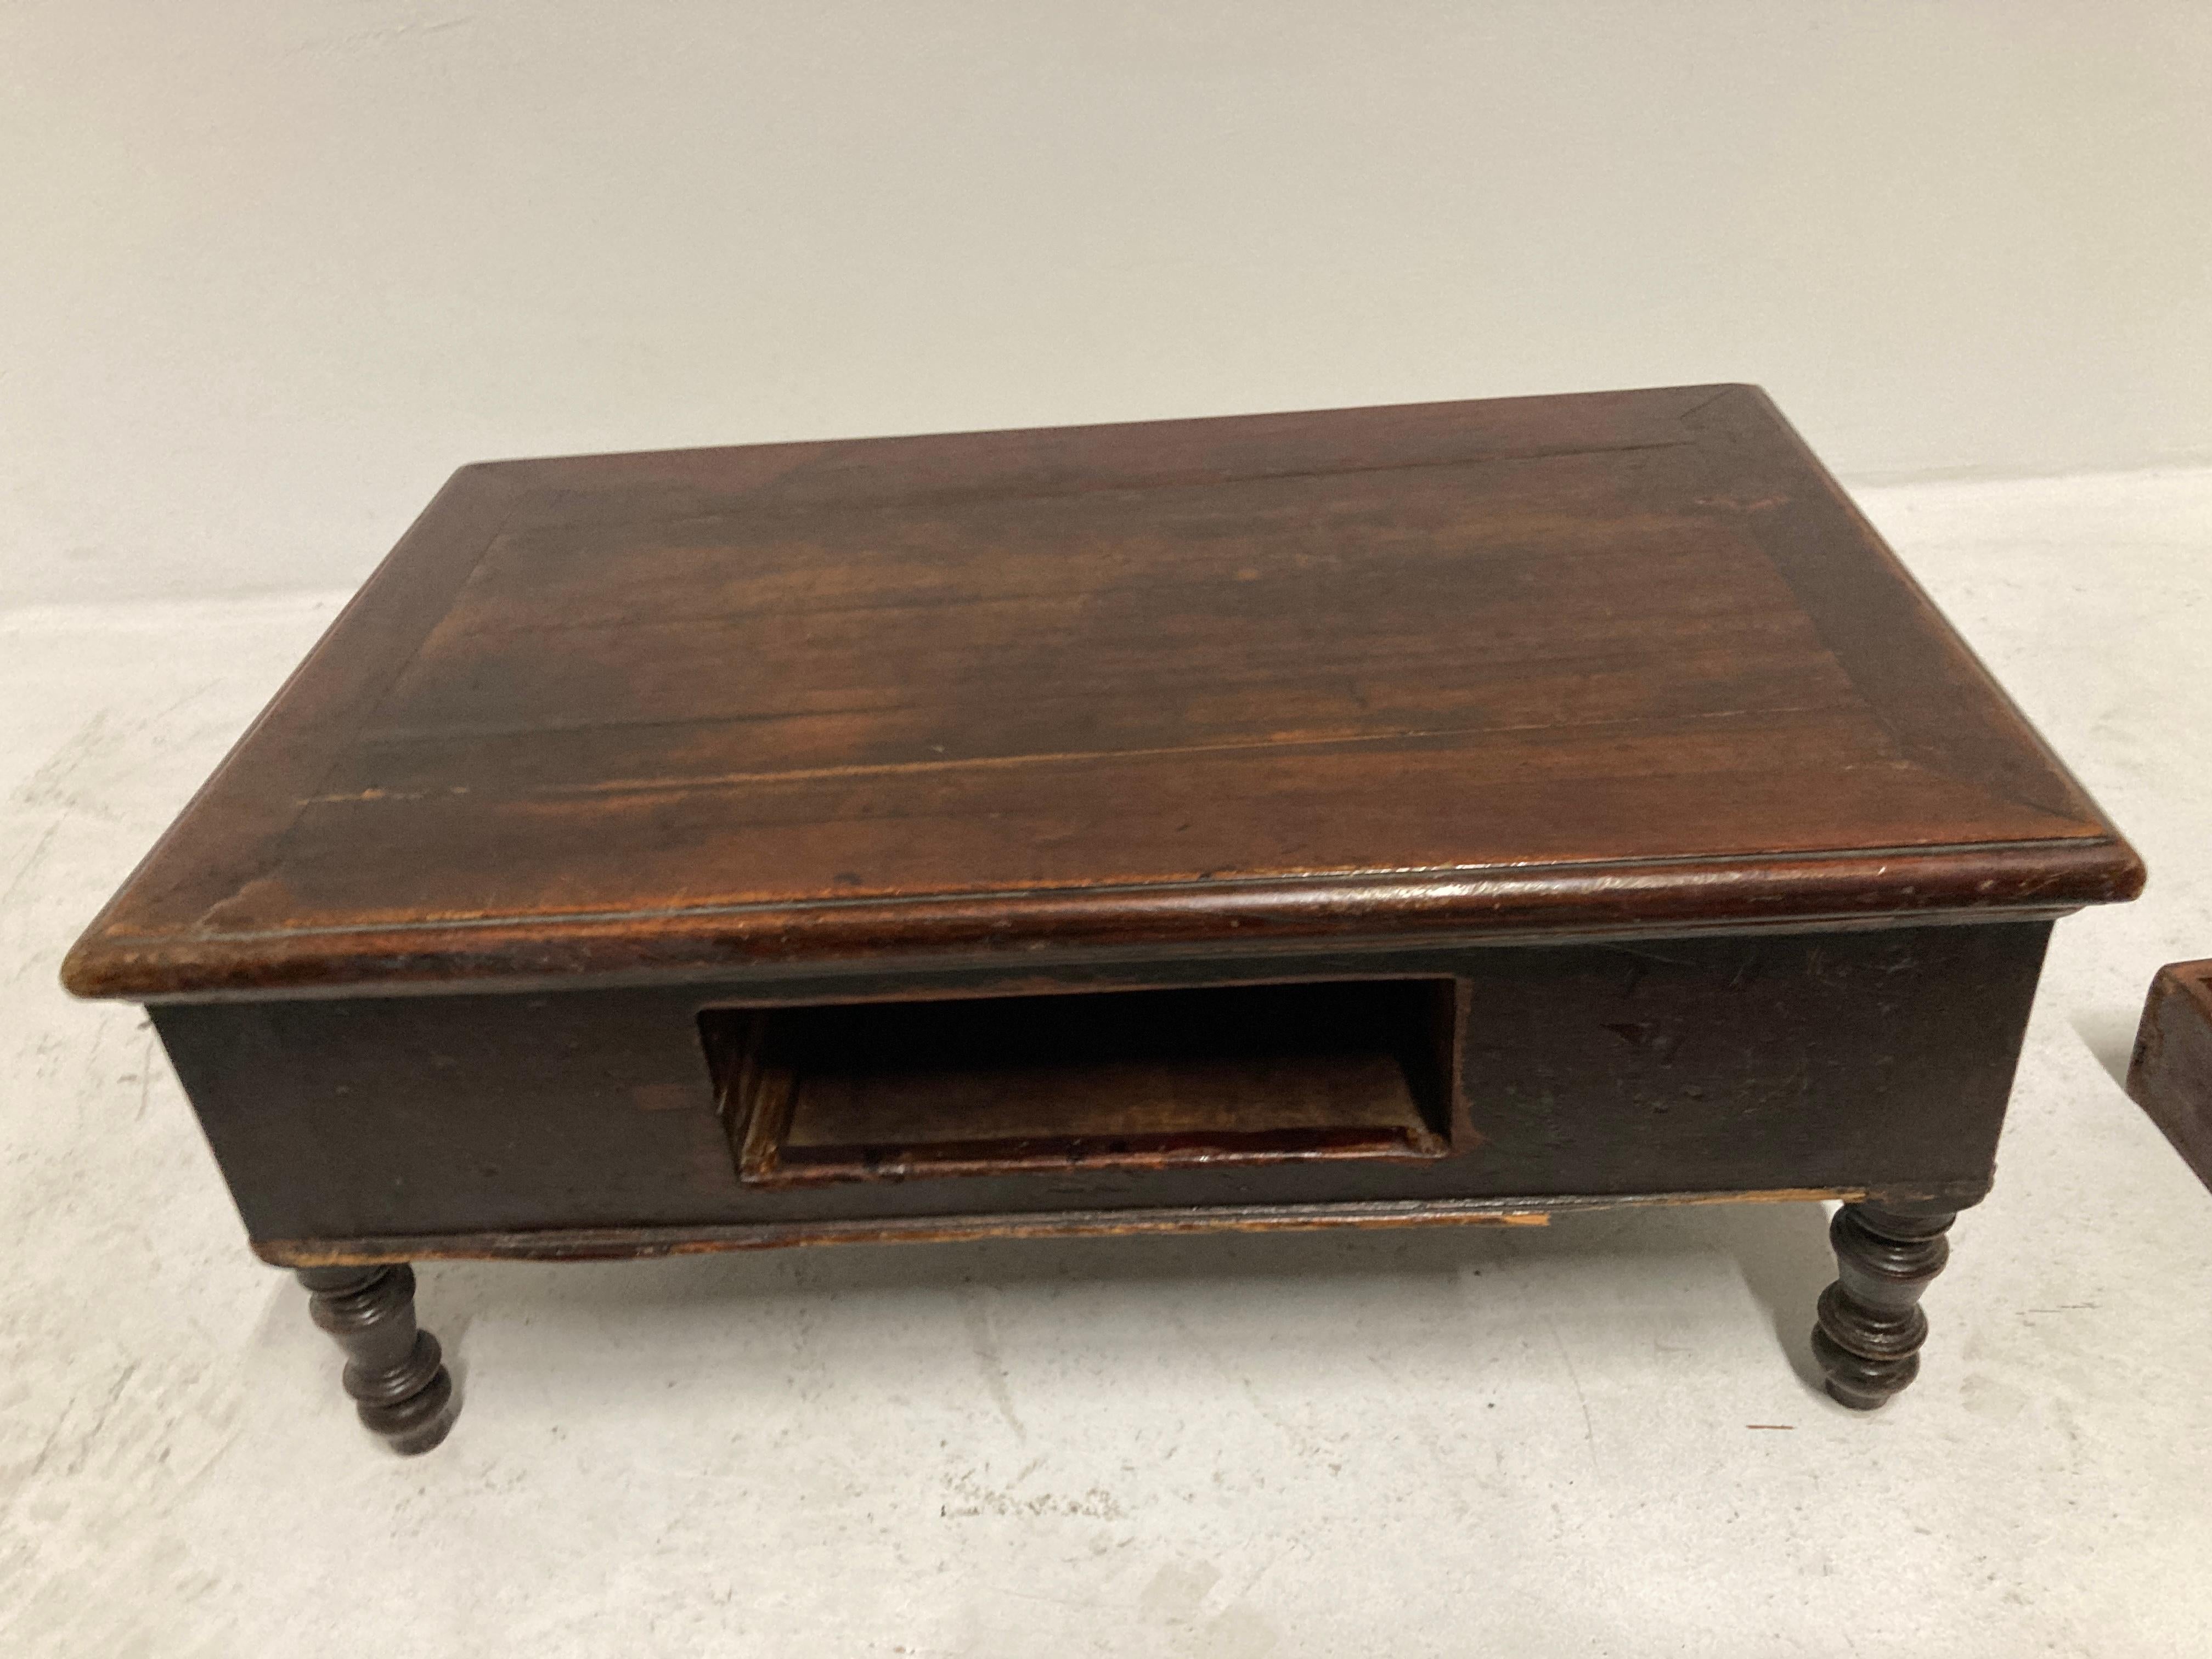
(269, 269)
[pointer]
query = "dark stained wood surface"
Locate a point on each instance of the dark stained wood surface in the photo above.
(1126, 1080)
(2170, 1075)
(1598, 662)
(1861, 1061)
(1869, 1328)
(394, 1369)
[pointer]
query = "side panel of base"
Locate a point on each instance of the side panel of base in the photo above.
(1876, 1062)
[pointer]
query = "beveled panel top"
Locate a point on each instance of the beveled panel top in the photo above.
(1593, 662)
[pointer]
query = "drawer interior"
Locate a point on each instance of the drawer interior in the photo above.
(860, 1092)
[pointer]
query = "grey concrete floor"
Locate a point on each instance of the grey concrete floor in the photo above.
(1597, 1438)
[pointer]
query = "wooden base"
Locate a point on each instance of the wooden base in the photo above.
(1871, 1328)
(395, 1372)
(1352, 817)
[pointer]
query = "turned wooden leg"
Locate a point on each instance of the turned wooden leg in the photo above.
(1871, 1327)
(393, 1369)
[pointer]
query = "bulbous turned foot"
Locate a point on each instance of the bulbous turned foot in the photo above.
(1871, 1326)
(394, 1371)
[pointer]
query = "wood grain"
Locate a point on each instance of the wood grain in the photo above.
(641, 1244)
(1590, 662)
(1453, 813)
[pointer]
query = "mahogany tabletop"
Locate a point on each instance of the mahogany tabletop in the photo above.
(1527, 665)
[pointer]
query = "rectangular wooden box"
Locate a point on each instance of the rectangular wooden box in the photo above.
(1449, 813)
(583, 1121)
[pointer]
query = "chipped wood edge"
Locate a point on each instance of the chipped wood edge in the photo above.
(605, 1243)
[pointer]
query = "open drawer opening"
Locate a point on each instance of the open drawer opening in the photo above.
(1133, 1079)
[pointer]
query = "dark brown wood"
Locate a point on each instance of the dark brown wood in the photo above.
(1613, 661)
(2170, 1075)
(1377, 817)
(394, 1371)
(1871, 1327)
(636, 1243)
(1132, 1081)
(1869, 1061)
